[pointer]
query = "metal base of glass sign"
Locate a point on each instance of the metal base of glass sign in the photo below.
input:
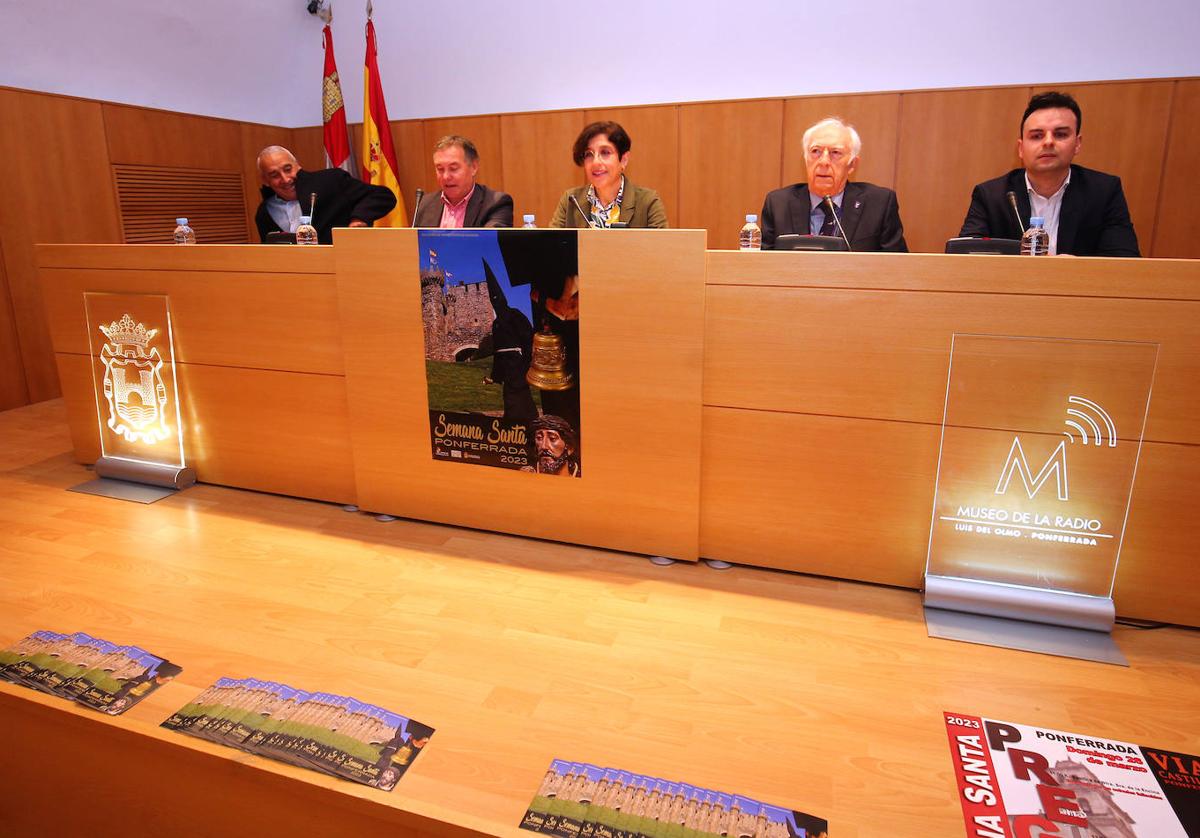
(151, 474)
(123, 490)
(1017, 602)
(136, 481)
(1024, 636)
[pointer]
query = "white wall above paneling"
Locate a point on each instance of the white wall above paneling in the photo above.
(261, 61)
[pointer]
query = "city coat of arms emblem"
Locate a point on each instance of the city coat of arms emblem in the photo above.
(133, 384)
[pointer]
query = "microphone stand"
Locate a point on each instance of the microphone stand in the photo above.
(1012, 201)
(417, 206)
(837, 221)
(587, 218)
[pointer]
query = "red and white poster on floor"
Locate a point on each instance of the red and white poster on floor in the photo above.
(1019, 781)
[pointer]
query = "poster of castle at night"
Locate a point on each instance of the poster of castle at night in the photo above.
(500, 310)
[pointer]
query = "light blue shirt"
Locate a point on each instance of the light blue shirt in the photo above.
(816, 218)
(286, 214)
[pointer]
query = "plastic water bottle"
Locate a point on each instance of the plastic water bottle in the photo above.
(306, 233)
(1036, 241)
(183, 233)
(751, 236)
(528, 219)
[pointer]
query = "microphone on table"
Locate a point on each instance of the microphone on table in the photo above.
(312, 208)
(587, 218)
(837, 221)
(417, 205)
(1012, 202)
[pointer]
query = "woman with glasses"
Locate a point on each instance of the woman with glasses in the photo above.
(608, 199)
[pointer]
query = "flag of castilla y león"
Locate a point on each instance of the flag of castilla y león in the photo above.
(333, 114)
(378, 153)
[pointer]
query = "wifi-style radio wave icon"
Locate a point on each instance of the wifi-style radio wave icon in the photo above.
(1097, 426)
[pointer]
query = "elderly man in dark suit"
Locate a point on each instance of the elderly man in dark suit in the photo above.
(461, 201)
(288, 191)
(867, 214)
(1083, 210)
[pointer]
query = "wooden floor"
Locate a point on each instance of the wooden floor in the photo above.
(821, 695)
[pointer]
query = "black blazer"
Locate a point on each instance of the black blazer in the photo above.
(1093, 221)
(340, 199)
(870, 216)
(487, 208)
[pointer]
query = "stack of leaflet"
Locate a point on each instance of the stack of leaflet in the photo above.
(329, 733)
(86, 669)
(578, 800)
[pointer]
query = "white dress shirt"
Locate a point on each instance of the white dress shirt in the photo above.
(285, 214)
(1048, 209)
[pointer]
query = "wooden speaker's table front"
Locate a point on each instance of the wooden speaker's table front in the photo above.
(302, 372)
(773, 409)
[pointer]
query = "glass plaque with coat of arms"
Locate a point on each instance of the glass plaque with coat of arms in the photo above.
(133, 367)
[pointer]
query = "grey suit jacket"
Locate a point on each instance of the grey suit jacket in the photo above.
(487, 208)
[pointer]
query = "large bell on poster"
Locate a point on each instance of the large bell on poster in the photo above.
(548, 369)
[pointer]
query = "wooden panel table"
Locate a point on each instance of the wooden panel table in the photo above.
(304, 374)
(822, 381)
(824, 384)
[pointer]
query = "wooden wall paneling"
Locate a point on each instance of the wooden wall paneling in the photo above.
(645, 424)
(13, 390)
(951, 140)
(308, 144)
(160, 138)
(1125, 134)
(254, 138)
(876, 117)
(654, 154)
(537, 160)
(150, 198)
(58, 188)
(1177, 225)
(730, 156)
(484, 131)
(413, 158)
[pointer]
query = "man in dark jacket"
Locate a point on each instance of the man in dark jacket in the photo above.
(341, 199)
(1083, 210)
(462, 201)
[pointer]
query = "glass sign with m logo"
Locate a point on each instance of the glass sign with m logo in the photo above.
(1040, 443)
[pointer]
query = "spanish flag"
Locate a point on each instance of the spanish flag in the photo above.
(378, 153)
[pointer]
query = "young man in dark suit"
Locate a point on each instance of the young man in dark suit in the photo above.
(1084, 211)
(461, 201)
(869, 215)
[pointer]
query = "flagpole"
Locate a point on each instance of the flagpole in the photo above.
(379, 161)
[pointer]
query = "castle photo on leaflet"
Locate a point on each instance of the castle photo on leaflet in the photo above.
(458, 318)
